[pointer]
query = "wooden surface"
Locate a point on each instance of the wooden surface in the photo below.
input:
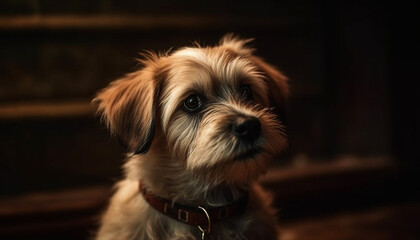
(390, 222)
(133, 22)
(39, 110)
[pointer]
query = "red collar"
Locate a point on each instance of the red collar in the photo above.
(198, 216)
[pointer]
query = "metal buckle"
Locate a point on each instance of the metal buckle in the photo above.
(206, 231)
(182, 215)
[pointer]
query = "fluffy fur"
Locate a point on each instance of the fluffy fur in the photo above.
(192, 157)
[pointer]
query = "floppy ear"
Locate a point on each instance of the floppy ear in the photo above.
(127, 106)
(278, 87)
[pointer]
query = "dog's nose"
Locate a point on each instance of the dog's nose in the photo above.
(247, 128)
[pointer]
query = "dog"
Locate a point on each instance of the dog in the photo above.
(201, 125)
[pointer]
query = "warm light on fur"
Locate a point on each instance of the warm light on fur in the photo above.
(194, 158)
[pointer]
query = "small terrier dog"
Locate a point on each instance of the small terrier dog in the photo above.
(201, 124)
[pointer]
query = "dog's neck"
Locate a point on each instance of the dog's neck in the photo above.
(168, 179)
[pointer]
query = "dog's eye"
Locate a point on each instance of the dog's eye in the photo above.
(245, 92)
(193, 103)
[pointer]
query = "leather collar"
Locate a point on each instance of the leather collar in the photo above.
(195, 215)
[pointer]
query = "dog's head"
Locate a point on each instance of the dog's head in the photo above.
(215, 107)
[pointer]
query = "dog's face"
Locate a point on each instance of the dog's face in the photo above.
(215, 108)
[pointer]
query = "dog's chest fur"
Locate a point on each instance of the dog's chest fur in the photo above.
(131, 218)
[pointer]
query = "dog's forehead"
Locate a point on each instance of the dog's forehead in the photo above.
(210, 66)
(192, 53)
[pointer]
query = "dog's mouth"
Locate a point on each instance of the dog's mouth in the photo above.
(249, 154)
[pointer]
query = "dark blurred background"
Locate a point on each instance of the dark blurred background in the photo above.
(351, 171)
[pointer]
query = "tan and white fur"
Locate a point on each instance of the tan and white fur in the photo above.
(193, 157)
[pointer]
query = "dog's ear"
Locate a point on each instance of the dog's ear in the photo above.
(128, 107)
(278, 86)
(277, 82)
